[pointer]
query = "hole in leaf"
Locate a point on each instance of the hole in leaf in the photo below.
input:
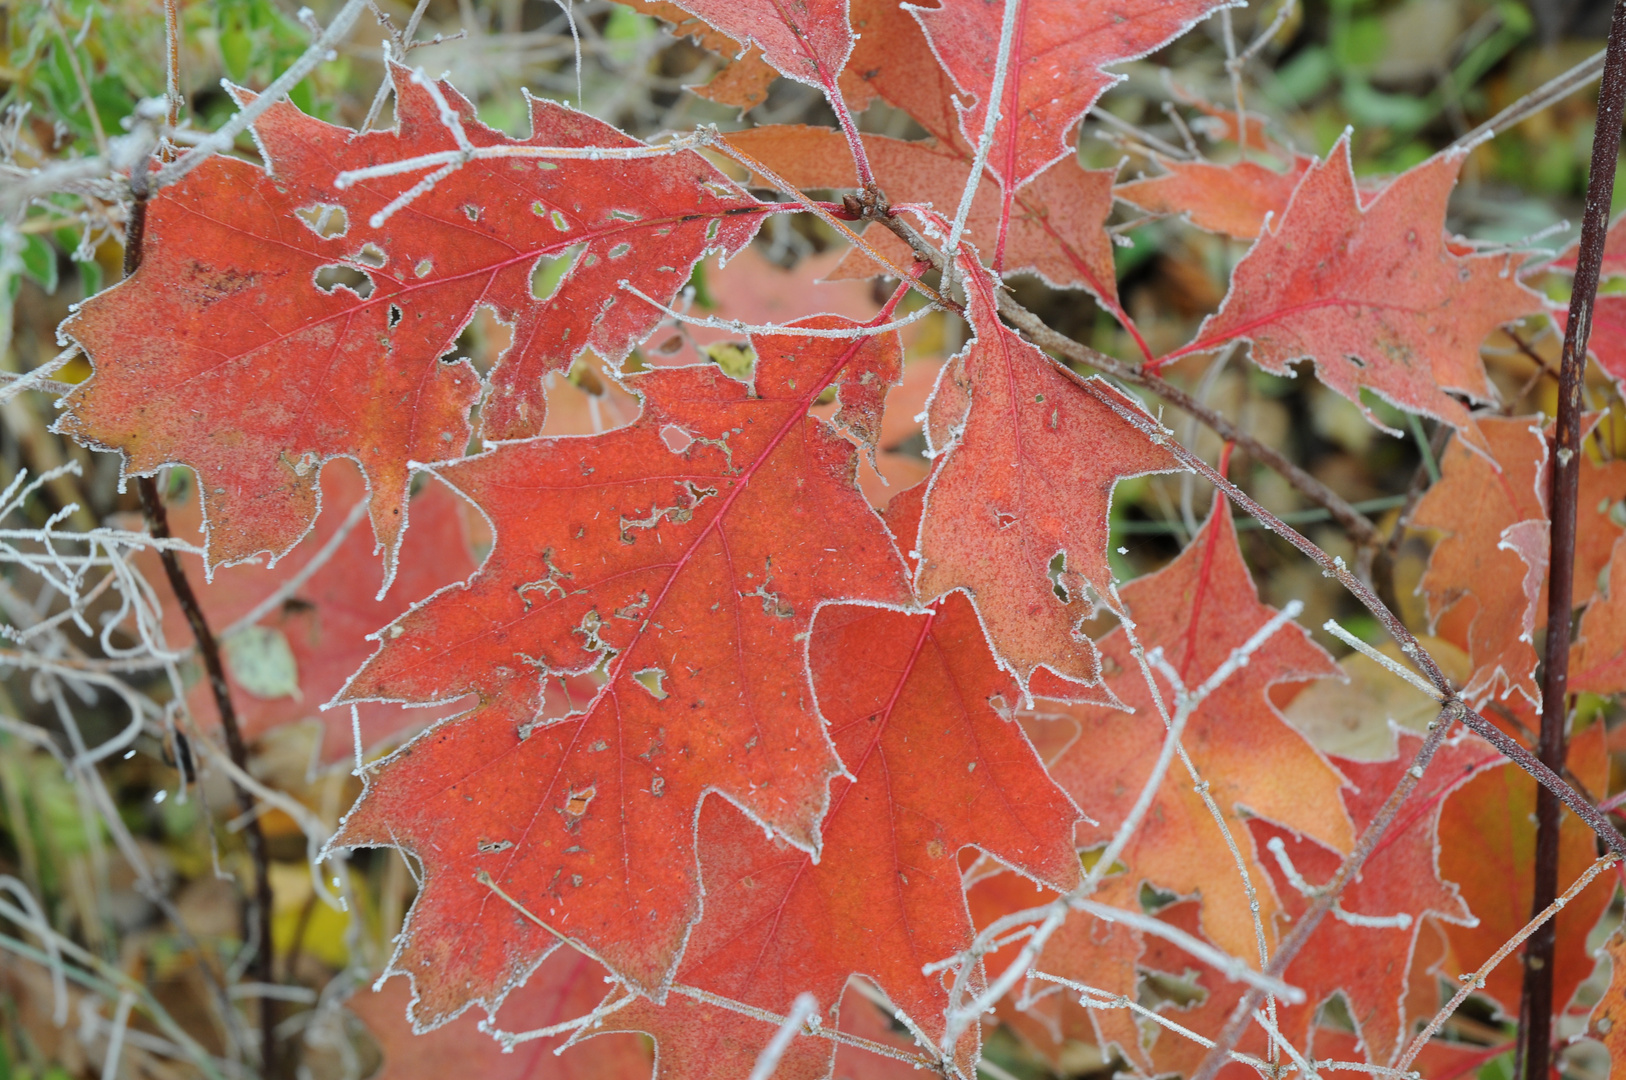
(550, 271)
(1058, 567)
(370, 255)
(560, 222)
(395, 316)
(472, 212)
(624, 215)
(620, 250)
(736, 360)
(424, 268)
(326, 220)
(337, 275)
(1183, 991)
(676, 439)
(650, 679)
(576, 805)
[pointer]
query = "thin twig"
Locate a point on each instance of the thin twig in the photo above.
(1476, 981)
(321, 50)
(1544, 96)
(1536, 1001)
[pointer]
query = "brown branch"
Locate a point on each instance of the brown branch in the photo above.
(1536, 1002)
(257, 915)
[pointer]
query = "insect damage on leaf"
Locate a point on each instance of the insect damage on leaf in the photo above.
(912, 701)
(707, 566)
(231, 351)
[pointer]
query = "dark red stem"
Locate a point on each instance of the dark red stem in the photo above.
(258, 915)
(1536, 1003)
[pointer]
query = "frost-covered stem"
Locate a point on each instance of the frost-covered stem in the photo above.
(1544, 96)
(773, 179)
(115, 1038)
(1476, 981)
(805, 1006)
(1233, 68)
(403, 41)
(738, 327)
(1283, 13)
(86, 101)
(1201, 787)
(108, 979)
(288, 588)
(849, 129)
(222, 140)
(38, 378)
(1152, 142)
(172, 62)
(1091, 997)
(990, 123)
(821, 1032)
(1393, 666)
(1536, 1001)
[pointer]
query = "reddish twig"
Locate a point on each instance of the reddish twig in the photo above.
(1536, 1002)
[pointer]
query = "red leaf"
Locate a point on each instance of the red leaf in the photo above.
(1233, 200)
(1607, 1023)
(1197, 610)
(807, 40)
(1607, 344)
(566, 986)
(1598, 657)
(1371, 965)
(324, 623)
(689, 551)
(224, 352)
(1028, 463)
(1371, 293)
(1614, 250)
(1056, 229)
(1487, 846)
(1055, 71)
(915, 706)
(892, 59)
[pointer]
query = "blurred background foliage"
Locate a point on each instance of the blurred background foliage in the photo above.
(1407, 76)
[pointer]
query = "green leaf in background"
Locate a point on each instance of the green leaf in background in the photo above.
(39, 262)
